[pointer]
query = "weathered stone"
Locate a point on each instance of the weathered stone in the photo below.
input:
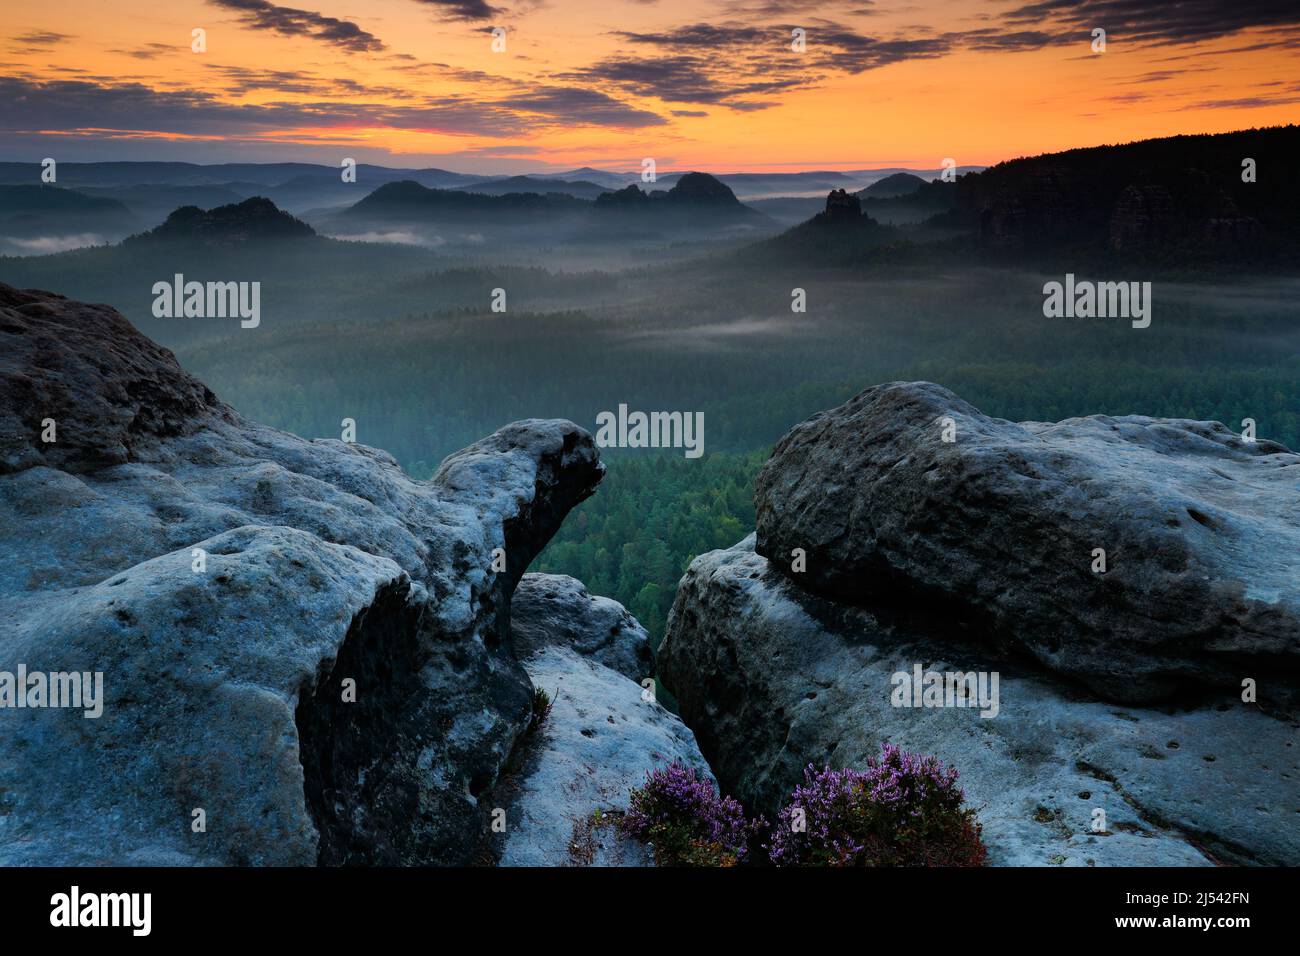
(556, 609)
(1000, 527)
(223, 686)
(772, 678)
(572, 778)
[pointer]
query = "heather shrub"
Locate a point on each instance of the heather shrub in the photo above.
(902, 810)
(685, 820)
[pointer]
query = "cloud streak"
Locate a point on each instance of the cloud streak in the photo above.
(98, 104)
(1158, 21)
(463, 9)
(290, 21)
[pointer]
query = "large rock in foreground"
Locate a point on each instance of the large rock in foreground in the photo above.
(1002, 525)
(305, 653)
(772, 678)
(569, 782)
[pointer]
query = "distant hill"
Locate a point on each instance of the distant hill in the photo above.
(789, 210)
(1173, 206)
(194, 174)
(694, 195)
(408, 201)
(524, 184)
(1174, 201)
(42, 218)
(153, 202)
(925, 200)
(253, 219)
(835, 236)
(51, 200)
(899, 184)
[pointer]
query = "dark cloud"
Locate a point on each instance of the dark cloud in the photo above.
(1288, 95)
(586, 106)
(289, 21)
(685, 78)
(736, 64)
(29, 105)
(730, 64)
(463, 9)
(151, 50)
(992, 40)
(1158, 21)
(42, 38)
(37, 41)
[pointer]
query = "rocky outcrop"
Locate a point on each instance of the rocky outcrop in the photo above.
(1142, 217)
(1004, 524)
(1043, 206)
(842, 206)
(571, 780)
(771, 678)
(304, 653)
(1146, 217)
(905, 533)
(555, 609)
(254, 218)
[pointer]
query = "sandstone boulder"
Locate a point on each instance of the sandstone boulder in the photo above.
(1003, 526)
(555, 609)
(229, 580)
(772, 678)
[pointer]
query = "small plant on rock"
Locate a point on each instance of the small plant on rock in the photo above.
(542, 705)
(684, 819)
(903, 810)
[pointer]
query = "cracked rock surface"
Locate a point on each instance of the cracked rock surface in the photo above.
(600, 738)
(322, 563)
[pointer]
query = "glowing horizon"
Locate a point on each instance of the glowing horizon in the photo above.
(713, 86)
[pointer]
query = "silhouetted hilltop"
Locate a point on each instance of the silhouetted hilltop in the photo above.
(899, 184)
(1160, 199)
(690, 191)
(41, 210)
(407, 201)
(255, 218)
(702, 189)
(925, 200)
(693, 193)
(581, 189)
(835, 236)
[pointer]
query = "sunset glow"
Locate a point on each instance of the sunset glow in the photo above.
(700, 85)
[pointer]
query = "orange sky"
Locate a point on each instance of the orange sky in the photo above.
(693, 84)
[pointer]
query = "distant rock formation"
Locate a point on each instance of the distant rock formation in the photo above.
(884, 549)
(701, 189)
(1147, 215)
(692, 192)
(1041, 205)
(234, 584)
(255, 218)
(842, 206)
(602, 735)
